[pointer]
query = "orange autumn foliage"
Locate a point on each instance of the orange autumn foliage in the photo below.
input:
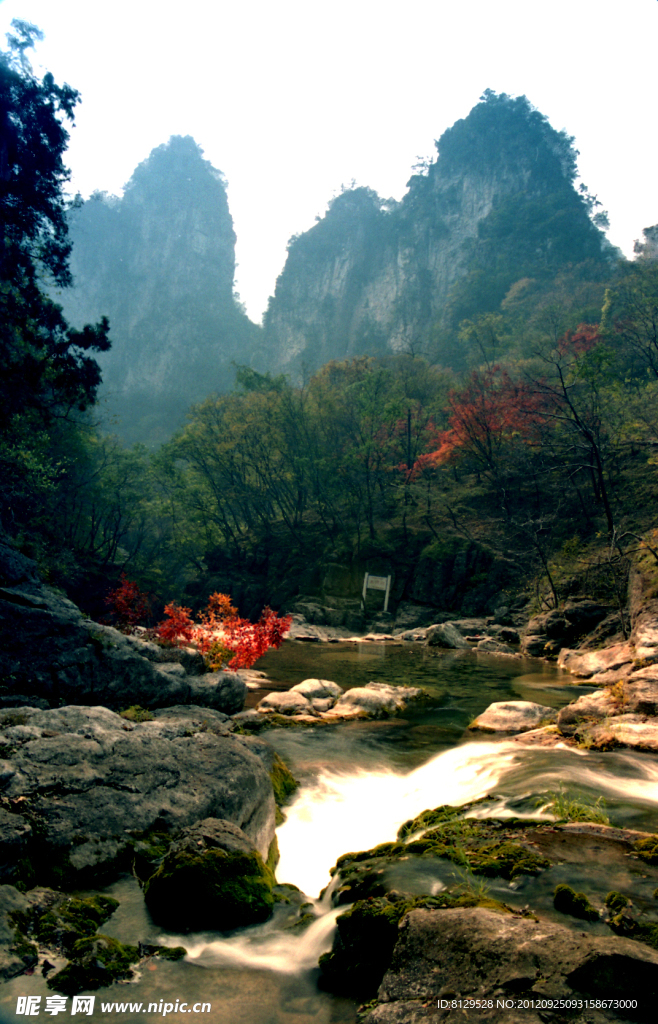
(488, 412)
(221, 634)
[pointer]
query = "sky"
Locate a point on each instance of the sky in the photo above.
(291, 99)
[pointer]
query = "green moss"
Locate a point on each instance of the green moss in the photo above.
(273, 855)
(13, 717)
(366, 935)
(647, 849)
(284, 783)
(642, 931)
(171, 953)
(73, 920)
(21, 945)
(506, 859)
(135, 713)
(616, 901)
(210, 889)
(486, 846)
(95, 962)
(567, 901)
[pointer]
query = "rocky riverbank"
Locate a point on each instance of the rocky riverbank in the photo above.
(179, 793)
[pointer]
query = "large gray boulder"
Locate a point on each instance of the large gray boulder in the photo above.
(49, 651)
(211, 878)
(314, 689)
(586, 664)
(445, 634)
(513, 716)
(376, 700)
(90, 784)
(286, 703)
(590, 708)
(444, 956)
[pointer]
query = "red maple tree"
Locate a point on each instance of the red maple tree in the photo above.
(221, 635)
(489, 411)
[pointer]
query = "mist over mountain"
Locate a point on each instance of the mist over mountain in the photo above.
(496, 215)
(160, 262)
(498, 205)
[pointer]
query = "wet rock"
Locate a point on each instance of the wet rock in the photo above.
(49, 650)
(466, 626)
(410, 616)
(584, 615)
(567, 901)
(211, 878)
(552, 624)
(15, 837)
(490, 646)
(640, 693)
(534, 645)
(513, 716)
(317, 688)
(376, 700)
(509, 636)
(477, 953)
(588, 663)
(412, 634)
(286, 703)
(301, 629)
(490, 847)
(93, 780)
(446, 634)
(16, 951)
(586, 710)
(635, 731)
(95, 962)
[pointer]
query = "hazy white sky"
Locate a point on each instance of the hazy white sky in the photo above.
(292, 98)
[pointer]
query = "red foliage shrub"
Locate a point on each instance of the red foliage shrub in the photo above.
(128, 603)
(221, 633)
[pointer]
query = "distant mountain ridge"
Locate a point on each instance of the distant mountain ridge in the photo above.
(498, 207)
(498, 204)
(160, 262)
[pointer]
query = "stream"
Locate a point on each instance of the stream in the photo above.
(359, 782)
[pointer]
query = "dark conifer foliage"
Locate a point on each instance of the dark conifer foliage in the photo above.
(44, 364)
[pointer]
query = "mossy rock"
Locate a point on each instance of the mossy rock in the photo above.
(136, 713)
(367, 933)
(73, 919)
(616, 901)
(576, 904)
(362, 948)
(641, 931)
(172, 953)
(284, 782)
(506, 860)
(647, 849)
(428, 819)
(95, 962)
(486, 846)
(149, 851)
(212, 878)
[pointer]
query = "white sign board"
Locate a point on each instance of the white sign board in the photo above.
(377, 583)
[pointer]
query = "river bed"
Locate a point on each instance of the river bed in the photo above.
(359, 782)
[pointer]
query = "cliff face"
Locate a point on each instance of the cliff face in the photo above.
(160, 263)
(499, 202)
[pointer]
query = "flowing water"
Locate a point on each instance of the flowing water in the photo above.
(359, 782)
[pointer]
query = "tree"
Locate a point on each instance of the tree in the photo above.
(44, 363)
